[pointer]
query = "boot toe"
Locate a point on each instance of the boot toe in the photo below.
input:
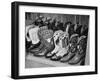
(64, 59)
(67, 57)
(76, 59)
(49, 55)
(55, 58)
(73, 61)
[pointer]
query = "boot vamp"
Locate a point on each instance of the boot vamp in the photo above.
(62, 52)
(56, 58)
(67, 57)
(76, 59)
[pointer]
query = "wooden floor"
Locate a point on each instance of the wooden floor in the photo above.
(37, 62)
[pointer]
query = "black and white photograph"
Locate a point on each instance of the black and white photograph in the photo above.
(50, 40)
(53, 40)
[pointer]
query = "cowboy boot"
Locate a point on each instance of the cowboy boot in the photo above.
(58, 55)
(46, 50)
(44, 35)
(49, 55)
(81, 51)
(72, 49)
(67, 57)
(76, 59)
(40, 53)
(36, 48)
(55, 58)
(50, 48)
(70, 54)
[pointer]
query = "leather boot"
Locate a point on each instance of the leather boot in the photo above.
(82, 43)
(76, 59)
(34, 50)
(48, 51)
(39, 53)
(67, 57)
(55, 58)
(49, 55)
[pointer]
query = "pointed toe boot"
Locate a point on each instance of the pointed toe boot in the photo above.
(76, 59)
(81, 51)
(49, 55)
(55, 58)
(40, 53)
(67, 57)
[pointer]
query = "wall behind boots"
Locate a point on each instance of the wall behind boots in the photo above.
(5, 40)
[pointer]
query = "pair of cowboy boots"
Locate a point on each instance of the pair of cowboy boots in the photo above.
(79, 55)
(72, 48)
(67, 52)
(46, 43)
(61, 46)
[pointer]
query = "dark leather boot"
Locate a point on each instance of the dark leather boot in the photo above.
(76, 59)
(72, 49)
(34, 50)
(50, 47)
(46, 48)
(34, 47)
(84, 30)
(48, 51)
(81, 52)
(67, 57)
(39, 53)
